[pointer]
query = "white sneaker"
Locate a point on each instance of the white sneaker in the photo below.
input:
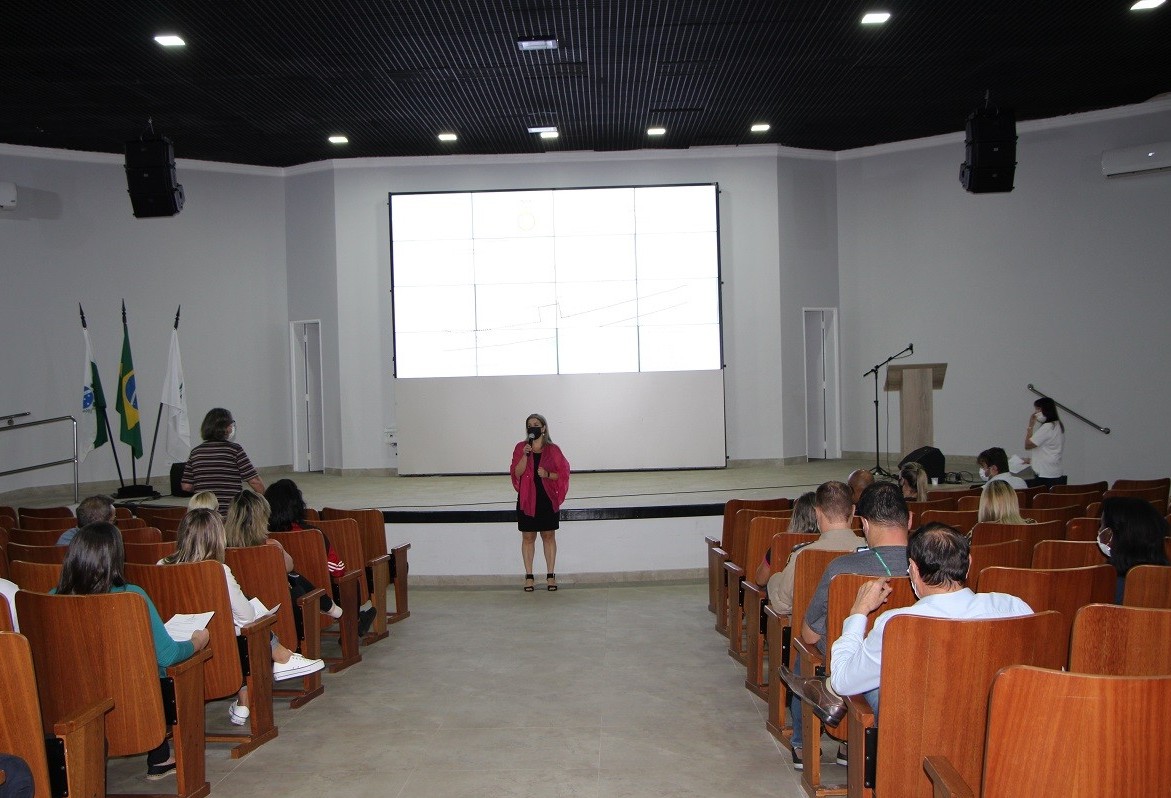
(335, 611)
(238, 714)
(296, 667)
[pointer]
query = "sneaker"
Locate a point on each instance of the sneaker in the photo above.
(297, 666)
(238, 714)
(335, 611)
(797, 763)
(366, 620)
(156, 772)
(843, 752)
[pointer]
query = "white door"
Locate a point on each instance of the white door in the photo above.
(307, 394)
(823, 438)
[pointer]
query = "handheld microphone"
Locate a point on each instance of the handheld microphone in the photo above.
(532, 437)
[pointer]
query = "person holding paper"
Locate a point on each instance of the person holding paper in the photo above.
(202, 537)
(94, 564)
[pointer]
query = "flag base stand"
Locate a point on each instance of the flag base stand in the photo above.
(137, 492)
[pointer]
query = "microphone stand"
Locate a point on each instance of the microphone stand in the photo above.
(878, 470)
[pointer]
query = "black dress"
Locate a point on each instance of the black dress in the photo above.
(546, 518)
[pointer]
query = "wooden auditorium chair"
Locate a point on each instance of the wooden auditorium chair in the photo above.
(39, 577)
(843, 590)
(47, 512)
(936, 675)
(1079, 500)
(918, 508)
(1085, 487)
(1025, 495)
(734, 553)
(307, 548)
(968, 502)
(49, 523)
(1113, 640)
(190, 588)
(756, 598)
(749, 546)
(1156, 496)
(1148, 586)
(35, 537)
(6, 624)
(717, 549)
(1009, 553)
(375, 570)
(1062, 514)
(148, 553)
(143, 534)
(1066, 554)
(260, 570)
(986, 532)
(373, 528)
(87, 649)
(1065, 590)
(160, 515)
(73, 756)
(782, 631)
(1056, 733)
(51, 554)
(346, 539)
(1084, 528)
(129, 522)
(963, 520)
(4, 569)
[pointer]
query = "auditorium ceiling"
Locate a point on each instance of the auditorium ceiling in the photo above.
(267, 82)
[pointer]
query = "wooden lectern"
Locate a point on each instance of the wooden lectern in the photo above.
(915, 382)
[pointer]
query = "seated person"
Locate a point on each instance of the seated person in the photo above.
(16, 779)
(913, 481)
(204, 500)
(93, 510)
(94, 565)
(1132, 534)
(202, 537)
(938, 558)
(999, 504)
(8, 595)
(832, 509)
(859, 480)
(994, 466)
(803, 519)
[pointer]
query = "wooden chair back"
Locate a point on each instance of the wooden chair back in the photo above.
(1063, 589)
(1085, 487)
(1156, 496)
(963, 520)
(1147, 586)
(372, 525)
(50, 554)
(1032, 712)
(47, 512)
(1134, 484)
(986, 532)
(1083, 528)
(347, 541)
(38, 577)
(50, 523)
(761, 531)
(144, 534)
(311, 514)
(968, 502)
(918, 508)
(35, 537)
(1062, 514)
(148, 553)
(158, 515)
(1111, 640)
(939, 706)
(82, 733)
(782, 545)
(733, 506)
(1094, 510)
(4, 569)
(129, 522)
(731, 563)
(9, 511)
(1066, 554)
(811, 564)
(1025, 495)
(1009, 554)
(121, 513)
(843, 589)
(6, 624)
(1079, 500)
(738, 553)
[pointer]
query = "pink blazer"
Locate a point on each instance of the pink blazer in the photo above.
(551, 460)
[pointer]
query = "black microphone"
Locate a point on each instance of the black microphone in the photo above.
(911, 347)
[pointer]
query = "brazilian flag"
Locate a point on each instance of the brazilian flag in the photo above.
(127, 404)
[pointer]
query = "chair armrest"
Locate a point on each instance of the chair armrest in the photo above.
(258, 626)
(180, 669)
(83, 735)
(374, 562)
(83, 717)
(348, 576)
(945, 779)
(810, 657)
(711, 542)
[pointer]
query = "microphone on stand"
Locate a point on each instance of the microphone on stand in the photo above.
(911, 347)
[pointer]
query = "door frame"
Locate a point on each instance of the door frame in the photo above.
(302, 460)
(833, 380)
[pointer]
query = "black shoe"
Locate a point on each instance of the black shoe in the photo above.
(366, 620)
(529, 578)
(797, 763)
(813, 690)
(549, 576)
(156, 772)
(843, 754)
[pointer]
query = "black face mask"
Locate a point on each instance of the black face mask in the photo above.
(533, 432)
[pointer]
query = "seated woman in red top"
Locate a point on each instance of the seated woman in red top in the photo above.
(540, 475)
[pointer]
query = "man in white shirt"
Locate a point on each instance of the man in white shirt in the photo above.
(938, 567)
(994, 466)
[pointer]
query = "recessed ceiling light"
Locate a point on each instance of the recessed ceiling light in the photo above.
(656, 131)
(448, 137)
(338, 140)
(169, 40)
(1145, 5)
(543, 129)
(876, 18)
(760, 127)
(530, 43)
(549, 134)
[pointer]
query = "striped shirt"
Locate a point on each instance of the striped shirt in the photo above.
(219, 466)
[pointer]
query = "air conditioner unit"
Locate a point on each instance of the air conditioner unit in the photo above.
(1144, 158)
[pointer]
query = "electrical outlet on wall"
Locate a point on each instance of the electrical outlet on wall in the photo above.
(390, 435)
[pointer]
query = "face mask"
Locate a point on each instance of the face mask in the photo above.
(1105, 549)
(1039, 416)
(533, 432)
(983, 474)
(232, 433)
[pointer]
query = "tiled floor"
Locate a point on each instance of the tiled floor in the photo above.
(599, 692)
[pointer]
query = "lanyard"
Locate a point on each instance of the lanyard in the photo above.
(885, 567)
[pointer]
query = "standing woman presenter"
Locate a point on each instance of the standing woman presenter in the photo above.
(540, 475)
(1044, 442)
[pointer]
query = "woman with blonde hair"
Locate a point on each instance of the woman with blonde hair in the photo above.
(913, 481)
(204, 500)
(202, 537)
(999, 504)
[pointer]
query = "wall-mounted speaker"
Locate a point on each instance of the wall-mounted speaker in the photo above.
(151, 179)
(990, 152)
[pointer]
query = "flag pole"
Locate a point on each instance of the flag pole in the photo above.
(133, 463)
(105, 418)
(134, 490)
(159, 416)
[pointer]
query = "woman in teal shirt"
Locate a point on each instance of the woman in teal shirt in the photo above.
(94, 564)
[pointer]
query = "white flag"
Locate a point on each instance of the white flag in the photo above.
(178, 443)
(91, 433)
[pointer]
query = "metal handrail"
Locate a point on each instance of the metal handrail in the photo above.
(1074, 413)
(73, 460)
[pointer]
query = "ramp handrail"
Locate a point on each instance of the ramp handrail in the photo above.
(73, 459)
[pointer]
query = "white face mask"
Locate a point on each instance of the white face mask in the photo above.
(1105, 549)
(1039, 416)
(232, 433)
(983, 474)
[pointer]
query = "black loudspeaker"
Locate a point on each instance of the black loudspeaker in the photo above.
(151, 179)
(177, 480)
(930, 458)
(990, 152)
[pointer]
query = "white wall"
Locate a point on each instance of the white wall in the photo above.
(1062, 283)
(73, 238)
